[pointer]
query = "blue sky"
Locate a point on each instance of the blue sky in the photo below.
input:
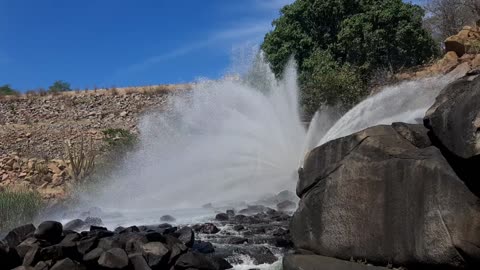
(120, 43)
(108, 43)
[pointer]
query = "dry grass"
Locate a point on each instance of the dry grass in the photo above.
(18, 207)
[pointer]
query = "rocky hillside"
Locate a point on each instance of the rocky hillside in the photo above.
(34, 129)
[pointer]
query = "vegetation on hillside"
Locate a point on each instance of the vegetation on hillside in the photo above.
(340, 44)
(59, 86)
(18, 208)
(7, 90)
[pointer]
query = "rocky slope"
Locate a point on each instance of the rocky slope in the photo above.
(34, 129)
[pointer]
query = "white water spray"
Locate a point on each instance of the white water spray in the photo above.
(223, 141)
(236, 140)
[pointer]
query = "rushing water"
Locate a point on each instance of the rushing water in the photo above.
(235, 140)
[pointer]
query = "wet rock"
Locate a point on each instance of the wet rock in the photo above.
(315, 262)
(167, 218)
(207, 228)
(50, 231)
(203, 247)
(19, 234)
(91, 258)
(237, 240)
(196, 260)
(67, 264)
(115, 258)
(75, 225)
(138, 262)
(42, 266)
(156, 254)
(238, 227)
(87, 244)
(32, 256)
(222, 217)
(186, 236)
(8, 256)
(230, 213)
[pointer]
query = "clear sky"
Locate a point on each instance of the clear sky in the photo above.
(108, 43)
(120, 43)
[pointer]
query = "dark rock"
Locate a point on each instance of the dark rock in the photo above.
(315, 262)
(42, 266)
(186, 236)
(26, 245)
(167, 218)
(133, 243)
(175, 246)
(91, 258)
(75, 225)
(107, 243)
(67, 264)
(207, 228)
(156, 254)
(240, 218)
(93, 221)
(19, 234)
(22, 267)
(231, 213)
(87, 244)
(286, 206)
(222, 217)
(50, 231)
(119, 229)
(203, 247)
(115, 258)
(130, 229)
(454, 118)
(238, 227)
(237, 240)
(32, 256)
(414, 209)
(415, 134)
(94, 228)
(138, 262)
(8, 256)
(196, 261)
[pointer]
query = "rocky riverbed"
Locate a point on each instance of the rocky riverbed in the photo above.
(255, 237)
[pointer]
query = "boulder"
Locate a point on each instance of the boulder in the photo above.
(375, 195)
(454, 118)
(50, 231)
(156, 254)
(203, 247)
(67, 264)
(75, 225)
(167, 218)
(186, 236)
(8, 256)
(115, 258)
(222, 217)
(199, 261)
(315, 262)
(137, 261)
(19, 234)
(207, 228)
(466, 41)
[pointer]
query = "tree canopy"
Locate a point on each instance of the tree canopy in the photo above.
(355, 37)
(59, 86)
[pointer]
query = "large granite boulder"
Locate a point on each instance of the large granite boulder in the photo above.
(454, 118)
(315, 262)
(386, 195)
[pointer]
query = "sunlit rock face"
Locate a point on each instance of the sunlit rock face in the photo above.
(387, 195)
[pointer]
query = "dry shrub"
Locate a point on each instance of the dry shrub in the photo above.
(81, 157)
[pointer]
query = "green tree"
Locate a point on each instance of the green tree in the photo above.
(362, 36)
(325, 81)
(6, 90)
(59, 86)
